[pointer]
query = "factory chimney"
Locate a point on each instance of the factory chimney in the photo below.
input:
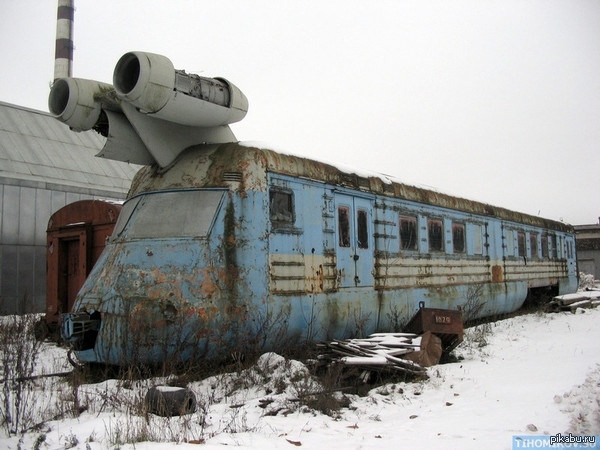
(63, 59)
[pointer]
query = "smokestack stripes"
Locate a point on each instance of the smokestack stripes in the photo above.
(63, 59)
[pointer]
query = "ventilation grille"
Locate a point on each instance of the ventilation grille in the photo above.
(232, 176)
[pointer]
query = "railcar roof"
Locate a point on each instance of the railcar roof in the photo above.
(191, 170)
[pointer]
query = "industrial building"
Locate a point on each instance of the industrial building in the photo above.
(588, 248)
(43, 167)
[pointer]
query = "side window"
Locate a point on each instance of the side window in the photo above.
(561, 247)
(533, 245)
(552, 250)
(510, 243)
(545, 246)
(477, 240)
(458, 237)
(408, 233)
(344, 226)
(281, 207)
(435, 230)
(521, 243)
(362, 229)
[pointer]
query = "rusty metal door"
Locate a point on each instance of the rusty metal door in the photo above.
(354, 245)
(72, 262)
(72, 276)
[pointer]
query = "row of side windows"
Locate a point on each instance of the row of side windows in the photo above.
(541, 245)
(281, 212)
(409, 235)
(281, 215)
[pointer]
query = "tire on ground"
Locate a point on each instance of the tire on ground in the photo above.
(168, 401)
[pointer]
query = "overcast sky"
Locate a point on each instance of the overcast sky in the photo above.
(496, 101)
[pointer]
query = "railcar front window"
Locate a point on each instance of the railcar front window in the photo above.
(344, 226)
(408, 233)
(125, 215)
(169, 214)
(436, 235)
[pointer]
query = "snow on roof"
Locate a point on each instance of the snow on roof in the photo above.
(342, 167)
(427, 194)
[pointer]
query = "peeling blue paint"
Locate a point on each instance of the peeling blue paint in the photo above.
(214, 268)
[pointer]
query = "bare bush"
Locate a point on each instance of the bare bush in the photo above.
(472, 309)
(18, 354)
(587, 281)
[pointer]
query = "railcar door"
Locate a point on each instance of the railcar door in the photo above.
(354, 246)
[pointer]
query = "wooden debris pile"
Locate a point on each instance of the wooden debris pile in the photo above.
(430, 332)
(385, 352)
(570, 302)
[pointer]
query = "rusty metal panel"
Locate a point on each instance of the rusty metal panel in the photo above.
(536, 273)
(76, 236)
(445, 323)
(301, 274)
(393, 273)
(94, 212)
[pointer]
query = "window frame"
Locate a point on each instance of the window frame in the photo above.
(344, 231)
(291, 208)
(459, 226)
(362, 229)
(415, 235)
(544, 244)
(533, 245)
(521, 244)
(430, 238)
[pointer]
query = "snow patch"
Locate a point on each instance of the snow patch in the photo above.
(537, 374)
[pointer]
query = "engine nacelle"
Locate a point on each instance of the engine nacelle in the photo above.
(76, 101)
(151, 84)
(153, 112)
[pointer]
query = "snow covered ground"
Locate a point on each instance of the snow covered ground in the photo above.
(531, 375)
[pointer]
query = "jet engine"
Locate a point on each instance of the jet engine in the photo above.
(151, 84)
(153, 112)
(74, 101)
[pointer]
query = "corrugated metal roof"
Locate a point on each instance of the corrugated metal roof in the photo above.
(37, 149)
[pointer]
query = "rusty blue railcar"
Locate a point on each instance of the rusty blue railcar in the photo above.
(225, 246)
(234, 247)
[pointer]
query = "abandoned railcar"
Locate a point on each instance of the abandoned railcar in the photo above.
(234, 246)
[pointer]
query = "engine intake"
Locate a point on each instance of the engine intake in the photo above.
(76, 101)
(151, 83)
